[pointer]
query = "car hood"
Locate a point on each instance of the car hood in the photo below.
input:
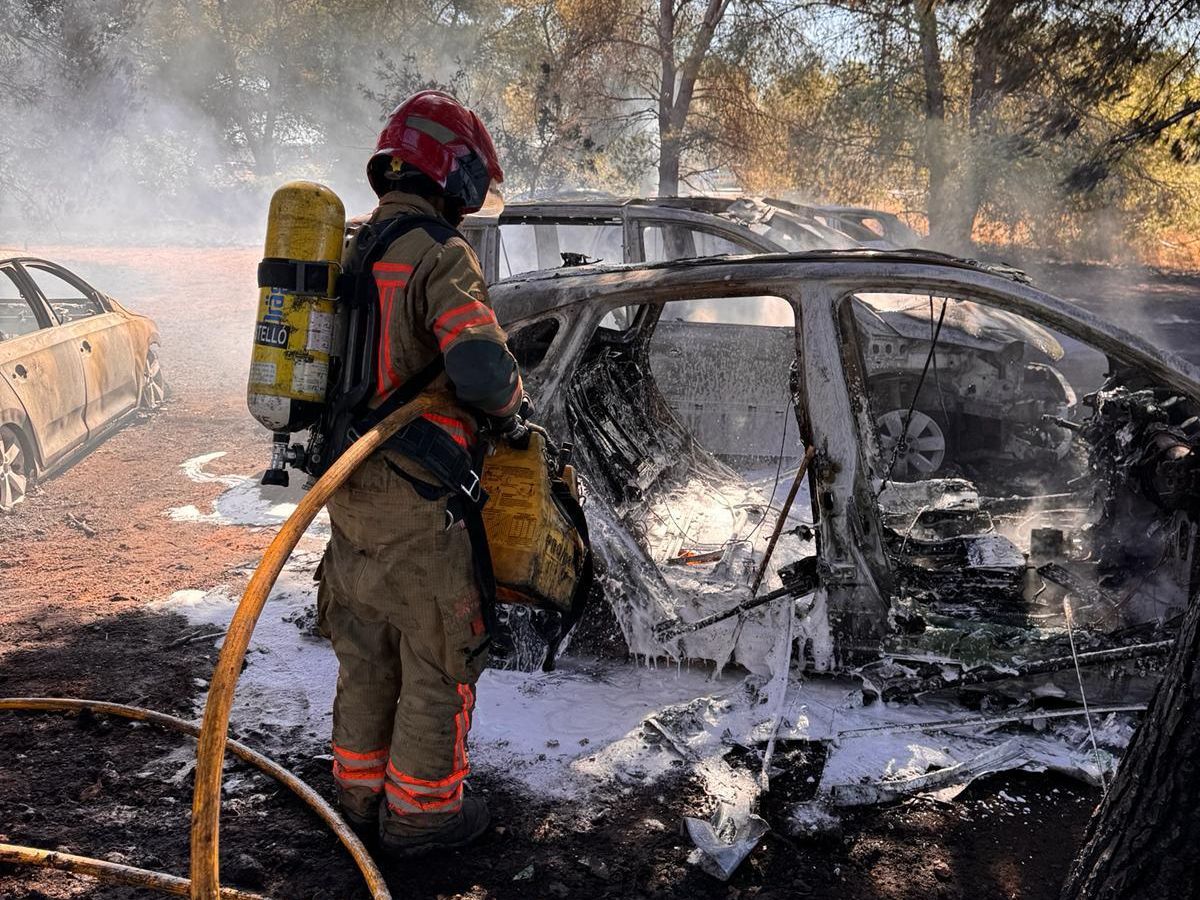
(968, 324)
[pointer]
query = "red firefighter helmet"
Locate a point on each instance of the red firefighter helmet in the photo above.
(442, 138)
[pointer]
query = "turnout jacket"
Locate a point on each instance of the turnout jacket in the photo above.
(433, 299)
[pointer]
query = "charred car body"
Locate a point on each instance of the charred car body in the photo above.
(920, 585)
(74, 363)
(960, 421)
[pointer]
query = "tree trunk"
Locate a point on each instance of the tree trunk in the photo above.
(668, 141)
(1144, 841)
(678, 86)
(994, 25)
(937, 205)
(668, 168)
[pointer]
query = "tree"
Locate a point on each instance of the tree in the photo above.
(1144, 840)
(538, 72)
(681, 58)
(687, 62)
(982, 116)
(67, 80)
(265, 75)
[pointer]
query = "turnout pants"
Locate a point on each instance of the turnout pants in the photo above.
(399, 600)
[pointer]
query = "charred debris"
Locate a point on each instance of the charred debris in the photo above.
(1110, 566)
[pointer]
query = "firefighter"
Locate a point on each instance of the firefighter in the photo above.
(400, 596)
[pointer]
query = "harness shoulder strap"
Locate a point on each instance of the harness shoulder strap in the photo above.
(372, 242)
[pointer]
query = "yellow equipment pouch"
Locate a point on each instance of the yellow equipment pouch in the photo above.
(537, 549)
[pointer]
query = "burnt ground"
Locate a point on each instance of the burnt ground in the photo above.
(74, 622)
(109, 788)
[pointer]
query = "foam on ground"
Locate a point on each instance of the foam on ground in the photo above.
(245, 500)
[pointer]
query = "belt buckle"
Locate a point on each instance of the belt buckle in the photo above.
(472, 490)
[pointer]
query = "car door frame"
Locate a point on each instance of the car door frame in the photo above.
(855, 570)
(46, 459)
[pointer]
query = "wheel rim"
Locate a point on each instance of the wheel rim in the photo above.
(13, 477)
(923, 449)
(153, 391)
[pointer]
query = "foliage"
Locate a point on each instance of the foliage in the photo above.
(1072, 126)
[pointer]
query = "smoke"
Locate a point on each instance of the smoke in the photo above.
(172, 121)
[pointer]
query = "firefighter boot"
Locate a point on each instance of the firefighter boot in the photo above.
(465, 827)
(362, 817)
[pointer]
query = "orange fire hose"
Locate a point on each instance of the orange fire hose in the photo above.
(141, 877)
(214, 727)
(109, 871)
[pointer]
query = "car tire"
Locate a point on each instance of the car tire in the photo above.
(154, 384)
(927, 449)
(16, 469)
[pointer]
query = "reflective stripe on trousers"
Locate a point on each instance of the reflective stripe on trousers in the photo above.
(360, 769)
(407, 794)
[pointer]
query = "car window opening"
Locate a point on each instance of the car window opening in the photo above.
(551, 245)
(693, 429)
(69, 302)
(529, 344)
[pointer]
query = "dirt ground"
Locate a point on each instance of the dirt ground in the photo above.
(93, 546)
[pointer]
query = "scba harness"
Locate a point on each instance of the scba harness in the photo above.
(460, 475)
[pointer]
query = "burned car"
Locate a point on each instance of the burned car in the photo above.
(74, 362)
(867, 227)
(917, 584)
(960, 427)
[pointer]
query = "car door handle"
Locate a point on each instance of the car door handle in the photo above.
(85, 347)
(20, 372)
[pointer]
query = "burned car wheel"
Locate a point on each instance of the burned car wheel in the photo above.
(14, 475)
(922, 450)
(154, 385)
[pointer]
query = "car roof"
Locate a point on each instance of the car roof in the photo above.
(527, 293)
(740, 212)
(5, 260)
(855, 254)
(829, 208)
(700, 203)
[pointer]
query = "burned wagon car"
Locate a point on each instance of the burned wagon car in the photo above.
(921, 584)
(74, 362)
(867, 227)
(963, 424)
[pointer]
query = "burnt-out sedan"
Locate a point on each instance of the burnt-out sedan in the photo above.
(915, 581)
(73, 363)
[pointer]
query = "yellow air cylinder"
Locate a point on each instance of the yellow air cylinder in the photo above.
(536, 552)
(294, 331)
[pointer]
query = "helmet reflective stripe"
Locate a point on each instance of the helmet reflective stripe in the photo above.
(435, 130)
